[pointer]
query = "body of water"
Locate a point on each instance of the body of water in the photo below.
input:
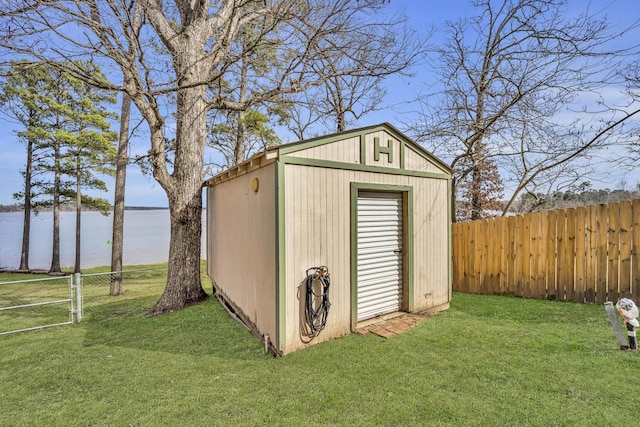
(146, 238)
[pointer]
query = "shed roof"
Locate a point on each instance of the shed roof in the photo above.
(273, 154)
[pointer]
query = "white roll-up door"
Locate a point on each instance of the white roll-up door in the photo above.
(380, 247)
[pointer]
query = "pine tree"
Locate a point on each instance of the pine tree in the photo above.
(90, 147)
(23, 96)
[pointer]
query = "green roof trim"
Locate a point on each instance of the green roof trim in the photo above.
(283, 153)
(302, 161)
(362, 132)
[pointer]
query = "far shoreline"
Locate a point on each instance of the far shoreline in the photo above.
(19, 208)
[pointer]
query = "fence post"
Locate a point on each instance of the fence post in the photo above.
(78, 286)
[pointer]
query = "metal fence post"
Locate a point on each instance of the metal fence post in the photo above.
(79, 306)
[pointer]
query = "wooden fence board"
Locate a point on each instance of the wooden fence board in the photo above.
(456, 270)
(480, 256)
(581, 261)
(587, 254)
(625, 250)
(561, 254)
(525, 260)
(613, 259)
(471, 256)
(543, 272)
(602, 228)
(552, 277)
(570, 258)
(463, 250)
(458, 253)
(591, 234)
(493, 251)
(502, 259)
(470, 252)
(495, 256)
(477, 256)
(520, 249)
(484, 282)
(511, 255)
(635, 250)
(537, 283)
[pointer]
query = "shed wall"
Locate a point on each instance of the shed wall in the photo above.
(241, 242)
(317, 212)
(432, 254)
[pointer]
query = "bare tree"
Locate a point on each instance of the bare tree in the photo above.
(336, 105)
(510, 77)
(238, 134)
(117, 232)
(345, 97)
(631, 137)
(181, 48)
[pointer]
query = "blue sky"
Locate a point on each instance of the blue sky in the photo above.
(422, 14)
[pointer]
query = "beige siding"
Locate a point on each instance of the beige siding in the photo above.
(241, 244)
(344, 151)
(431, 243)
(317, 232)
(416, 162)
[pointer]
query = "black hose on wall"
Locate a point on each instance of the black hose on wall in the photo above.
(317, 303)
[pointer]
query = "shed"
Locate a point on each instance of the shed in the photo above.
(369, 204)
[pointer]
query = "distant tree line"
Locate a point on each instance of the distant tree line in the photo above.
(576, 195)
(11, 208)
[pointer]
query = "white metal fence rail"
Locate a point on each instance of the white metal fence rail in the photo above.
(73, 301)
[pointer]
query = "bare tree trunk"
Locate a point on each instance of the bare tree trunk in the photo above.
(238, 152)
(55, 255)
(239, 149)
(476, 197)
(340, 120)
(184, 191)
(184, 286)
(117, 241)
(26, 224)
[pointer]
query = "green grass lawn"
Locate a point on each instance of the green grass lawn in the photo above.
(487, 361)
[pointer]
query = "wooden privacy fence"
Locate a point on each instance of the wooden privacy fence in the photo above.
(586, 254)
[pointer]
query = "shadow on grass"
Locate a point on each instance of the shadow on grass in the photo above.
(203, 329)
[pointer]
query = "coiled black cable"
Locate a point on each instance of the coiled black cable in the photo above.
(316, 318)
